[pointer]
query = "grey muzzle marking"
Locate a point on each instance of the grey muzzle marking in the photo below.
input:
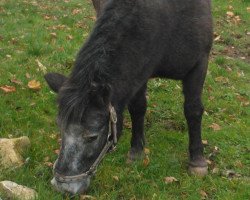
(109, 146)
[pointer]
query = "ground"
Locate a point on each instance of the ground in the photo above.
(39, 36)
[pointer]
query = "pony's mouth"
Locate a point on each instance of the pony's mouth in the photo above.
(77, 187)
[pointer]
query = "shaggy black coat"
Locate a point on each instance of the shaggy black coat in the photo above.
(133, 41)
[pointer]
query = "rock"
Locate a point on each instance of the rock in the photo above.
(11, 151)
(12, 190)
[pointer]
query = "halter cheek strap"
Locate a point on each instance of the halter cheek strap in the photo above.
(109, 146)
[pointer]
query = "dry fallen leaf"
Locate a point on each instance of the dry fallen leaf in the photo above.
(57, 151)
(170, 179)
(93, 18)
(146, 161)
(217, 38)
(34, 85)
(230, 7)
(87, 197)
(203, 194)
(53, 35)
(215, 170)
(230, 14)
(48, 164)
(18, 82)
(222, 79)
(244, 101)
(216, 149)
(69, 37)
(231, 174)
(116, 178)
(8, 89)
(215, 127)
(76, 11)
(41, 66)
(27, 75)
(46, 17)
(146, 151)
(209, 162)
(46, 159)
(204, 142)
(239, 164)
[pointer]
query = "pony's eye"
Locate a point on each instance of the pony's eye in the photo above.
(90, 138)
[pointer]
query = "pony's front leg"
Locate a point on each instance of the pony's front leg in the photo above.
(193, 109)
(137, 109)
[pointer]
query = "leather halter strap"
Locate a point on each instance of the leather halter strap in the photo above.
(109, 146)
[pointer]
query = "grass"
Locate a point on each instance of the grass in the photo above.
(52, 32)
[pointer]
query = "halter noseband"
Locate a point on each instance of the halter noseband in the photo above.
(109, 146)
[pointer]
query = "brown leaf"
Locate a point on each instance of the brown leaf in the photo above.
(69, 37)
(18, 82)
(53, 35)
(8, 89)
(92, 17)
(217, 38)
(239, 164)
(211, 98)
(230, 7)
(216, 149)
(57, 151)
(146, 151)
(230, 14)
(204, 142)
(209, 162)
(231, 174)
(48, 164)
(87, 197)
(215, 170)
(222, 79)
(34, 85)
(203, 194)
(215, 127)
(76, 11)
(46, 159)
(41, 66)
(244, 101)
(46, 17)
(146, 161)
(27, 75)
(170, 179)
(116, 178)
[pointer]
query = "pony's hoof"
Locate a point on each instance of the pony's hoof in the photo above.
(134, 155)
(198, 167)
(198, 171)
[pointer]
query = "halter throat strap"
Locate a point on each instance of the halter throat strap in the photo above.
(109, 146)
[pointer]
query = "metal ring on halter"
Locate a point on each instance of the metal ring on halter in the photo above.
(109, 146)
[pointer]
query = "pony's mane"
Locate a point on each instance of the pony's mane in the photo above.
(94, 62)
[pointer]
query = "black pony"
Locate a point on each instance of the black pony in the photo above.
(133, 41)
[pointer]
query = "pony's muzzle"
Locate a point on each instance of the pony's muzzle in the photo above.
(77, 187)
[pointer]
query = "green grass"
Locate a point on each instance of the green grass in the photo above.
(25, 35)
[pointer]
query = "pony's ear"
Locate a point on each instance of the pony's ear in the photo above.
(55, 81)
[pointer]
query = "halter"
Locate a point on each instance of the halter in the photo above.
(109, 146)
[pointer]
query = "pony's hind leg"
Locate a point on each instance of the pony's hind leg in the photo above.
(193, 109)
(137, 109)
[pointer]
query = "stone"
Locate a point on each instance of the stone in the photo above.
(11, 190)
(11, 151)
